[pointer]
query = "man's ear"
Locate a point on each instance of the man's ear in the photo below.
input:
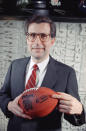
(53, 40)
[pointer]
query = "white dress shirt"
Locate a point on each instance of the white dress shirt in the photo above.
(42, 68)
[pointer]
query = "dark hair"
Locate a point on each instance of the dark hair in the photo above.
(42, 19)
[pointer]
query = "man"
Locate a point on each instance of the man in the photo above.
(41, 32)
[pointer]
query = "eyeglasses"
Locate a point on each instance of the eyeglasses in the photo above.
(32, 36)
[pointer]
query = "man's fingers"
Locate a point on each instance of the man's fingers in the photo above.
(64, 107)
(64, 110)
(26, 116)
(65, 102)
(56, 96)
(18, 108)
(23, 115)
(60, 95)
(19, 113)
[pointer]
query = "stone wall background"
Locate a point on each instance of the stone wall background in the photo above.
(70, 48)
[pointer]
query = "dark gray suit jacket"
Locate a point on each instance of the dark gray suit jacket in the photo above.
(59, 77)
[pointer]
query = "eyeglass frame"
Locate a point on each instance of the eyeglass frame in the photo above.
(37, 34)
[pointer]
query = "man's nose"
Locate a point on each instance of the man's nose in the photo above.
(38, 40)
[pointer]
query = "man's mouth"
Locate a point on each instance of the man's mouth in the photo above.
(38, 48)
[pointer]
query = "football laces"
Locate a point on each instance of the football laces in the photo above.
(31, 89)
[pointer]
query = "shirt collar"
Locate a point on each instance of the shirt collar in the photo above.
(42, 65)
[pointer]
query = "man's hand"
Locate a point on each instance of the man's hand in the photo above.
(68, 104)
(15, 109)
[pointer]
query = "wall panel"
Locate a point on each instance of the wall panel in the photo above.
(69, 48)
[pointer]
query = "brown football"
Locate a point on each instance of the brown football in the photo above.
(38, 102)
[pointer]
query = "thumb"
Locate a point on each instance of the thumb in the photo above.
(17, 98)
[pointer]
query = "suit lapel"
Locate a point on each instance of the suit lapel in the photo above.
(51, 75)
(23, 73)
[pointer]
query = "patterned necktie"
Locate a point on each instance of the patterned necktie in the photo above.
(32, 80)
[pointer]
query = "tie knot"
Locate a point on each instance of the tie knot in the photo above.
(35, 67)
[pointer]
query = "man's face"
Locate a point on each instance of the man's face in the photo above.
(40, 49)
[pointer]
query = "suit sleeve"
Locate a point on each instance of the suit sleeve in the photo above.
(5, 94)
(72, 89)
